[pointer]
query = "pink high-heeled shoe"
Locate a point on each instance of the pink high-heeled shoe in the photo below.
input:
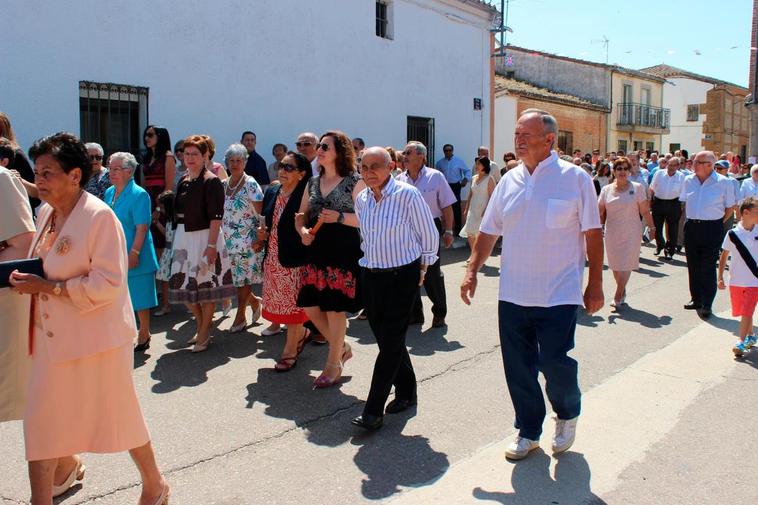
(76, 474)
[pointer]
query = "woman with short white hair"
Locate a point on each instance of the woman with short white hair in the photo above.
(243, 200)
(131, 204)
(100, 180)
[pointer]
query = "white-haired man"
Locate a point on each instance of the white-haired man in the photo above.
(709, 201)
(546, 210)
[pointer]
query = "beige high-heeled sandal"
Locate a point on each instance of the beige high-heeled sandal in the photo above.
(76, 474)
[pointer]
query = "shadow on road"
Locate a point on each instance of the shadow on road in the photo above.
(585, 319)
(731, 325)
(184, 369)
(532, 483)
(390, 459)
(327, 419)
(429, 341)
(750, 358)
(646, 319)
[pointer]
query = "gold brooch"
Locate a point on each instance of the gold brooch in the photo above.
(63, 245)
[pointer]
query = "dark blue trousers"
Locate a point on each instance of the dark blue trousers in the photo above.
(533, 340)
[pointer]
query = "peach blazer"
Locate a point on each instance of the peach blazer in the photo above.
(89, 254)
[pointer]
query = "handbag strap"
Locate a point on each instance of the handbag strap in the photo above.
(742, 249)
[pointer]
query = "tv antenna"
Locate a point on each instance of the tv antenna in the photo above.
(604, 41)
(502, 28)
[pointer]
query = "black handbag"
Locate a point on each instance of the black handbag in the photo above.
(26, 266)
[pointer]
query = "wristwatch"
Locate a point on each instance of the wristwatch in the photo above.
(449, 232)
(57, 289)
(341, 218)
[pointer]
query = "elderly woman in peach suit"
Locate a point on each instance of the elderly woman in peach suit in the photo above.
(81, 395)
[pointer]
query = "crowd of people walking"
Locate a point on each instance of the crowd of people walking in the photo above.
(331, 230)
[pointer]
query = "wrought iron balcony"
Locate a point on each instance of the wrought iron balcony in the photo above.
(637, 114)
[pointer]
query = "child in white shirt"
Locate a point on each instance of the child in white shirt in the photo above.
(743, 281)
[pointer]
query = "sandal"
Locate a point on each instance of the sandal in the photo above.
(288, 363)
(76, 474)
(324, 381)
(202, 347)
(347, 353)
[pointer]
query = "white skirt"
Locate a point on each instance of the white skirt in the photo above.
(192, 280)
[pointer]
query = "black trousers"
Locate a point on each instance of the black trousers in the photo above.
(387, 296)
(702, 240)
(434, 284)
(666, 212)
(456, 187)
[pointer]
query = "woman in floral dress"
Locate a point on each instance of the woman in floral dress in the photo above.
(285, 255)
(242, 206)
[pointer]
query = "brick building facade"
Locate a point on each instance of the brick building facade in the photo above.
(581, 124)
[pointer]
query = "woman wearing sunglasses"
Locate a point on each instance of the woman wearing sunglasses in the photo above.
(622, 202)
(285, 256)
(328, 225)
(158, 169)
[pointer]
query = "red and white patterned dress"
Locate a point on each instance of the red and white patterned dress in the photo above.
(281, 285)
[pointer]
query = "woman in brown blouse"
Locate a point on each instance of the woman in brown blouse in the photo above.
(200, 273)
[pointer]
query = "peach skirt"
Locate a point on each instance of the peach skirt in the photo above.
(83, 405)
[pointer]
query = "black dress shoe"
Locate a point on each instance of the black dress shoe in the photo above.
(658, 251)
(368, 422)
(704, 312)
(692, 306)
(400, 404)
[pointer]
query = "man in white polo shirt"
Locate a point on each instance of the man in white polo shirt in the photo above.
(546, 211)
(709, 202)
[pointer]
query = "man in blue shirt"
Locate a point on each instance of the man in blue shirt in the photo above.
(256, 165)
(457, 174)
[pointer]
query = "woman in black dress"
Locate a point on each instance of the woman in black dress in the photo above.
(328, 225)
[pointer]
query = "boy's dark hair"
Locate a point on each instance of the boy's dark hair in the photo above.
(748, 204)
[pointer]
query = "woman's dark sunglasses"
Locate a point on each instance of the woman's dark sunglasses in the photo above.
(323, 146)
(287, 167)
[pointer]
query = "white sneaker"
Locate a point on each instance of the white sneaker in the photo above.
(565, 433)
(520, 448)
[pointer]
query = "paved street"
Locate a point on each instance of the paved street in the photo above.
(667, 418)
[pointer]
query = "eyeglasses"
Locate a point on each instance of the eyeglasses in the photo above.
(287, 167)
(149, 135)
(622, 168)
(95, 157)
(323, 146)
(303, 144)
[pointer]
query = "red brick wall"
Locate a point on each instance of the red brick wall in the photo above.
(587, 126)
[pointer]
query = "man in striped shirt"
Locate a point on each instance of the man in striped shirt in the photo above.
(399, 241)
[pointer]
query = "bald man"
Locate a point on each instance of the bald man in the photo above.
(399, 241)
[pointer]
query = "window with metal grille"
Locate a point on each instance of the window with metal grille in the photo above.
(421, 129)
(113, 115)
(565, 141)
(693, 112)
(622, 145)
(383, 20)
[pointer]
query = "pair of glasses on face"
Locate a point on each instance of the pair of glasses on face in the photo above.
(95, 157)
(287, 167)
(303, 144)
(323, 146)
(621, 169)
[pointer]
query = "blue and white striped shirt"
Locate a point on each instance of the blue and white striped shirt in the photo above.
(396, 230)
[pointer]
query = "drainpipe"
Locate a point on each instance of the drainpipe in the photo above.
(492, 95)
(610, 117)
(660, 136)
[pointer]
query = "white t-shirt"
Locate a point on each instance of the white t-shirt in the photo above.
(739, 273)
(665, 186)
(542, 218)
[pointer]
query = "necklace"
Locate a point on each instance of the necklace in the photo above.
(116, 195)
(231, 190)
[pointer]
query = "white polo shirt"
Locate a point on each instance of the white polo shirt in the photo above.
(542, 218)
(707, 201)
(748, 188)
(739, 273)
(665, 186)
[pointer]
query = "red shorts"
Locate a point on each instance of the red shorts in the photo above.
(743, 300)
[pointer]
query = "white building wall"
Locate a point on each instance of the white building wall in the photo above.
(278, 67)
(505, 126)
(679, 92)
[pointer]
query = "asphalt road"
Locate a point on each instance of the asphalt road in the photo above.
(668, 414)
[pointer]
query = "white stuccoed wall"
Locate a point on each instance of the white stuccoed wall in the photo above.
(277, 67)
(678, 92)
(505, 126)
